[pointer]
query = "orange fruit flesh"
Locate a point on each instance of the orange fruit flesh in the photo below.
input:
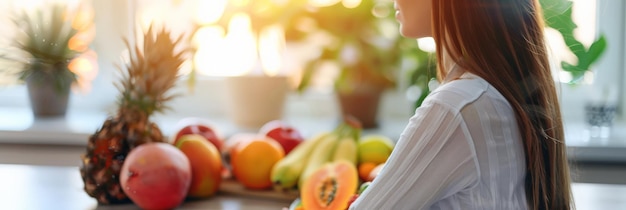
(330, 187)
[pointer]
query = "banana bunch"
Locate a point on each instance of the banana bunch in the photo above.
(340, 144)
(286, 172)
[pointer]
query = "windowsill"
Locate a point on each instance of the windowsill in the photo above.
(18, 126)
(585, 149)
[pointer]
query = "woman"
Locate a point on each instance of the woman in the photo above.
(491, 136)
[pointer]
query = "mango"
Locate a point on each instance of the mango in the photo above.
(374, 148)
(206, 165)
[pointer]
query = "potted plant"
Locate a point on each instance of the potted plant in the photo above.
(365, 53)
(257, 96)
(47, 40)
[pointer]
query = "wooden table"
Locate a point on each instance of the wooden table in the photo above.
(25, 187)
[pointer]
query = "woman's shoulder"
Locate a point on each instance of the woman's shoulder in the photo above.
(458, 93)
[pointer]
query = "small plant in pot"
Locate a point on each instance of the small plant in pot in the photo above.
(362, 42)
(253, 32)
(48, 38)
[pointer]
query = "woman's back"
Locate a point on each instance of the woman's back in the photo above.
(493, 131)
(461, 150)
(466, 147)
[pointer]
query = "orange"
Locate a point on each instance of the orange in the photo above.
(365, 169)
(374, 173)
(231, 144)
(252, 162)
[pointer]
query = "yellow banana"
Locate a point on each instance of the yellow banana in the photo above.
(285, 172)
(346, 150)
(320, 155)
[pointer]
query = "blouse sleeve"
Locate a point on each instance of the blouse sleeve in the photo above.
(433, 159)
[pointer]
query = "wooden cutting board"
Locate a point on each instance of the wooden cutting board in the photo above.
(231, 186)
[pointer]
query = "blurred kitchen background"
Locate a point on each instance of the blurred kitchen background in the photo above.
(286, 39)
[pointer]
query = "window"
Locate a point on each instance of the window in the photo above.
(612, 68)
(113, 20)
(609, 70)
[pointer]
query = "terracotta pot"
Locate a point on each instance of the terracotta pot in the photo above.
(362, 104)
(47, 99)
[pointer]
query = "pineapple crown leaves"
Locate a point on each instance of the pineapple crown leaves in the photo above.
(43, 37)
(151, 72)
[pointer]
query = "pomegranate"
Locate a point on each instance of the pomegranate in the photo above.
(156, 176)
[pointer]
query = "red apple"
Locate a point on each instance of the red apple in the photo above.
(286, 135)
(198, 126)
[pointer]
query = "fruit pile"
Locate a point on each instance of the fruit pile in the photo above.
(129, 159)
(327, 169)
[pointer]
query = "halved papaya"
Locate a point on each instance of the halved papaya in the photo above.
(330, 187)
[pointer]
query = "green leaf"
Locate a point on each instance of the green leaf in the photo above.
(596, 50)
(558, 15)
(571, 68)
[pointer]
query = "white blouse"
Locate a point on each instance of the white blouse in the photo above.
(461, 150)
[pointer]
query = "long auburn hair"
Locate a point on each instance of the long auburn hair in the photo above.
(502, 41)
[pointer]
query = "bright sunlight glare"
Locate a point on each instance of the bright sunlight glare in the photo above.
(239, 2)
(82, 39)
(208, 40)
(84, 17)
(86, 67)
(351, 3)
(208, 36)
(324, 3)
(210, 11)
(427, 44)
(585, 18)
(271, 47)
(230, 55)
(27, 3)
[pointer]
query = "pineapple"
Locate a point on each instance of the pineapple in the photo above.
(151, 72)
